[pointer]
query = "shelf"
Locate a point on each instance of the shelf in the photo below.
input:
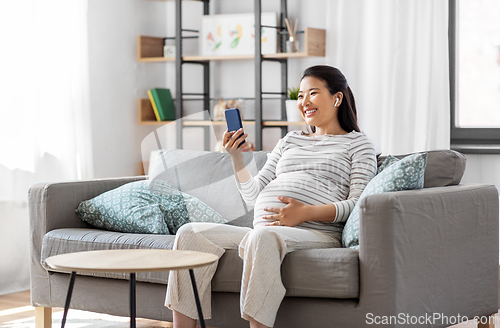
(150, 49)
(220, 123)
(207, 58)
(266, 123)
(147, 117)
(146, 113)
(282, 123)
(217, 123)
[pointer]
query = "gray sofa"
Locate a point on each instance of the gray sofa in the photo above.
(422, 253)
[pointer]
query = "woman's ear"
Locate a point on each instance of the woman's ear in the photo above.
(338, 98)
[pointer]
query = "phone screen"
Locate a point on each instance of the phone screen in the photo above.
(233, 120)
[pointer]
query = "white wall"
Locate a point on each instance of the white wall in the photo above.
(482, 169)
(117, 79)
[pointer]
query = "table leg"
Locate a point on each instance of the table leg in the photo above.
(132, 300)
(197, 298)
(68, 297)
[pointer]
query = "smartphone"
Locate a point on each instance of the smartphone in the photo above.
(233, 120)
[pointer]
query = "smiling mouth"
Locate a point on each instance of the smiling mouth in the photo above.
(310, 112)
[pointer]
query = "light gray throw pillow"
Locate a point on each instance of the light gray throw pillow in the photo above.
(208, 176)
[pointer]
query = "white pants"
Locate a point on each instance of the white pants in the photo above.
(262, 250)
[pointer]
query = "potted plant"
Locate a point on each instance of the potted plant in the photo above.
(292, 112)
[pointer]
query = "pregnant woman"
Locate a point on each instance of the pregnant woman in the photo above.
(302, 197)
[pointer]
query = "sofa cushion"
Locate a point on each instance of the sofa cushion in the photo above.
(192, 209)
(71, 240)
(389, 160)
(149, 206)
(329, 273)
(130, 208)
(444, 167)
(208, 176)
(405, 174)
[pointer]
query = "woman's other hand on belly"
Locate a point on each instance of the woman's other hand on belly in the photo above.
(293, 214)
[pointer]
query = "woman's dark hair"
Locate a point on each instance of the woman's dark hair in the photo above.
(335, 81)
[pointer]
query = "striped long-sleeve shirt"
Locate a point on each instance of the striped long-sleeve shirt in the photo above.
(315, 171)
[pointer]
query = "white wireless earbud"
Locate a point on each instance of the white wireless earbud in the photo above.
(336, 102)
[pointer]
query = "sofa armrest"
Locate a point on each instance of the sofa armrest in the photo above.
(52, 206)
(430, 250)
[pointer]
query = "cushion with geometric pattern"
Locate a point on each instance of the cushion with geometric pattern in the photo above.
(389, 160)
(154, 207)
(404, 174)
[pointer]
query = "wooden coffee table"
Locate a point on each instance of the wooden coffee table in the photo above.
(130, 261)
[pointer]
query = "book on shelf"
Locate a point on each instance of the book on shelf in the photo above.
(162, 103)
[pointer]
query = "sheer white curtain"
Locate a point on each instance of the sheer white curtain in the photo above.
(43, 115)
(394, 54)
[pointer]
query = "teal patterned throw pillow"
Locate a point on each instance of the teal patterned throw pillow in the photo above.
(145, 207)
(389, 160)
(404, 174)
(193, 209)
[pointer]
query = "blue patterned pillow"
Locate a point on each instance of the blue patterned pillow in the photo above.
(389, 160)
(405, 174)
(191, 208)
(145, 207)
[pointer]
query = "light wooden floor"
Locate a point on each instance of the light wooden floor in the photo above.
(15, 306)
(18, 306)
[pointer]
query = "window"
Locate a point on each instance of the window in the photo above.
(475, 75)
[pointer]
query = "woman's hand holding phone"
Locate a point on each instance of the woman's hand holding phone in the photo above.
(232, 141)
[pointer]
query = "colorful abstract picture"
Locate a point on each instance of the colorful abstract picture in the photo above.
(214, 40)
(226, 35)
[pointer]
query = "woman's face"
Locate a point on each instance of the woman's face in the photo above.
(316, 104)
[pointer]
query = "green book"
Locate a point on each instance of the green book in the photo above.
(164, 104)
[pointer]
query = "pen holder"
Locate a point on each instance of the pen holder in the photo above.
(292, 45)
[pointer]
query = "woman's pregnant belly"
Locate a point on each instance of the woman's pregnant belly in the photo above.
(305, 188)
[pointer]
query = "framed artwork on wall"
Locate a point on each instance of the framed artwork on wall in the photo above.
(226, 35)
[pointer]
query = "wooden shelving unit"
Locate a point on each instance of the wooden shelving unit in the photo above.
(150, 49)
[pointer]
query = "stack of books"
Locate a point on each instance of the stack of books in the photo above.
(163, 104)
